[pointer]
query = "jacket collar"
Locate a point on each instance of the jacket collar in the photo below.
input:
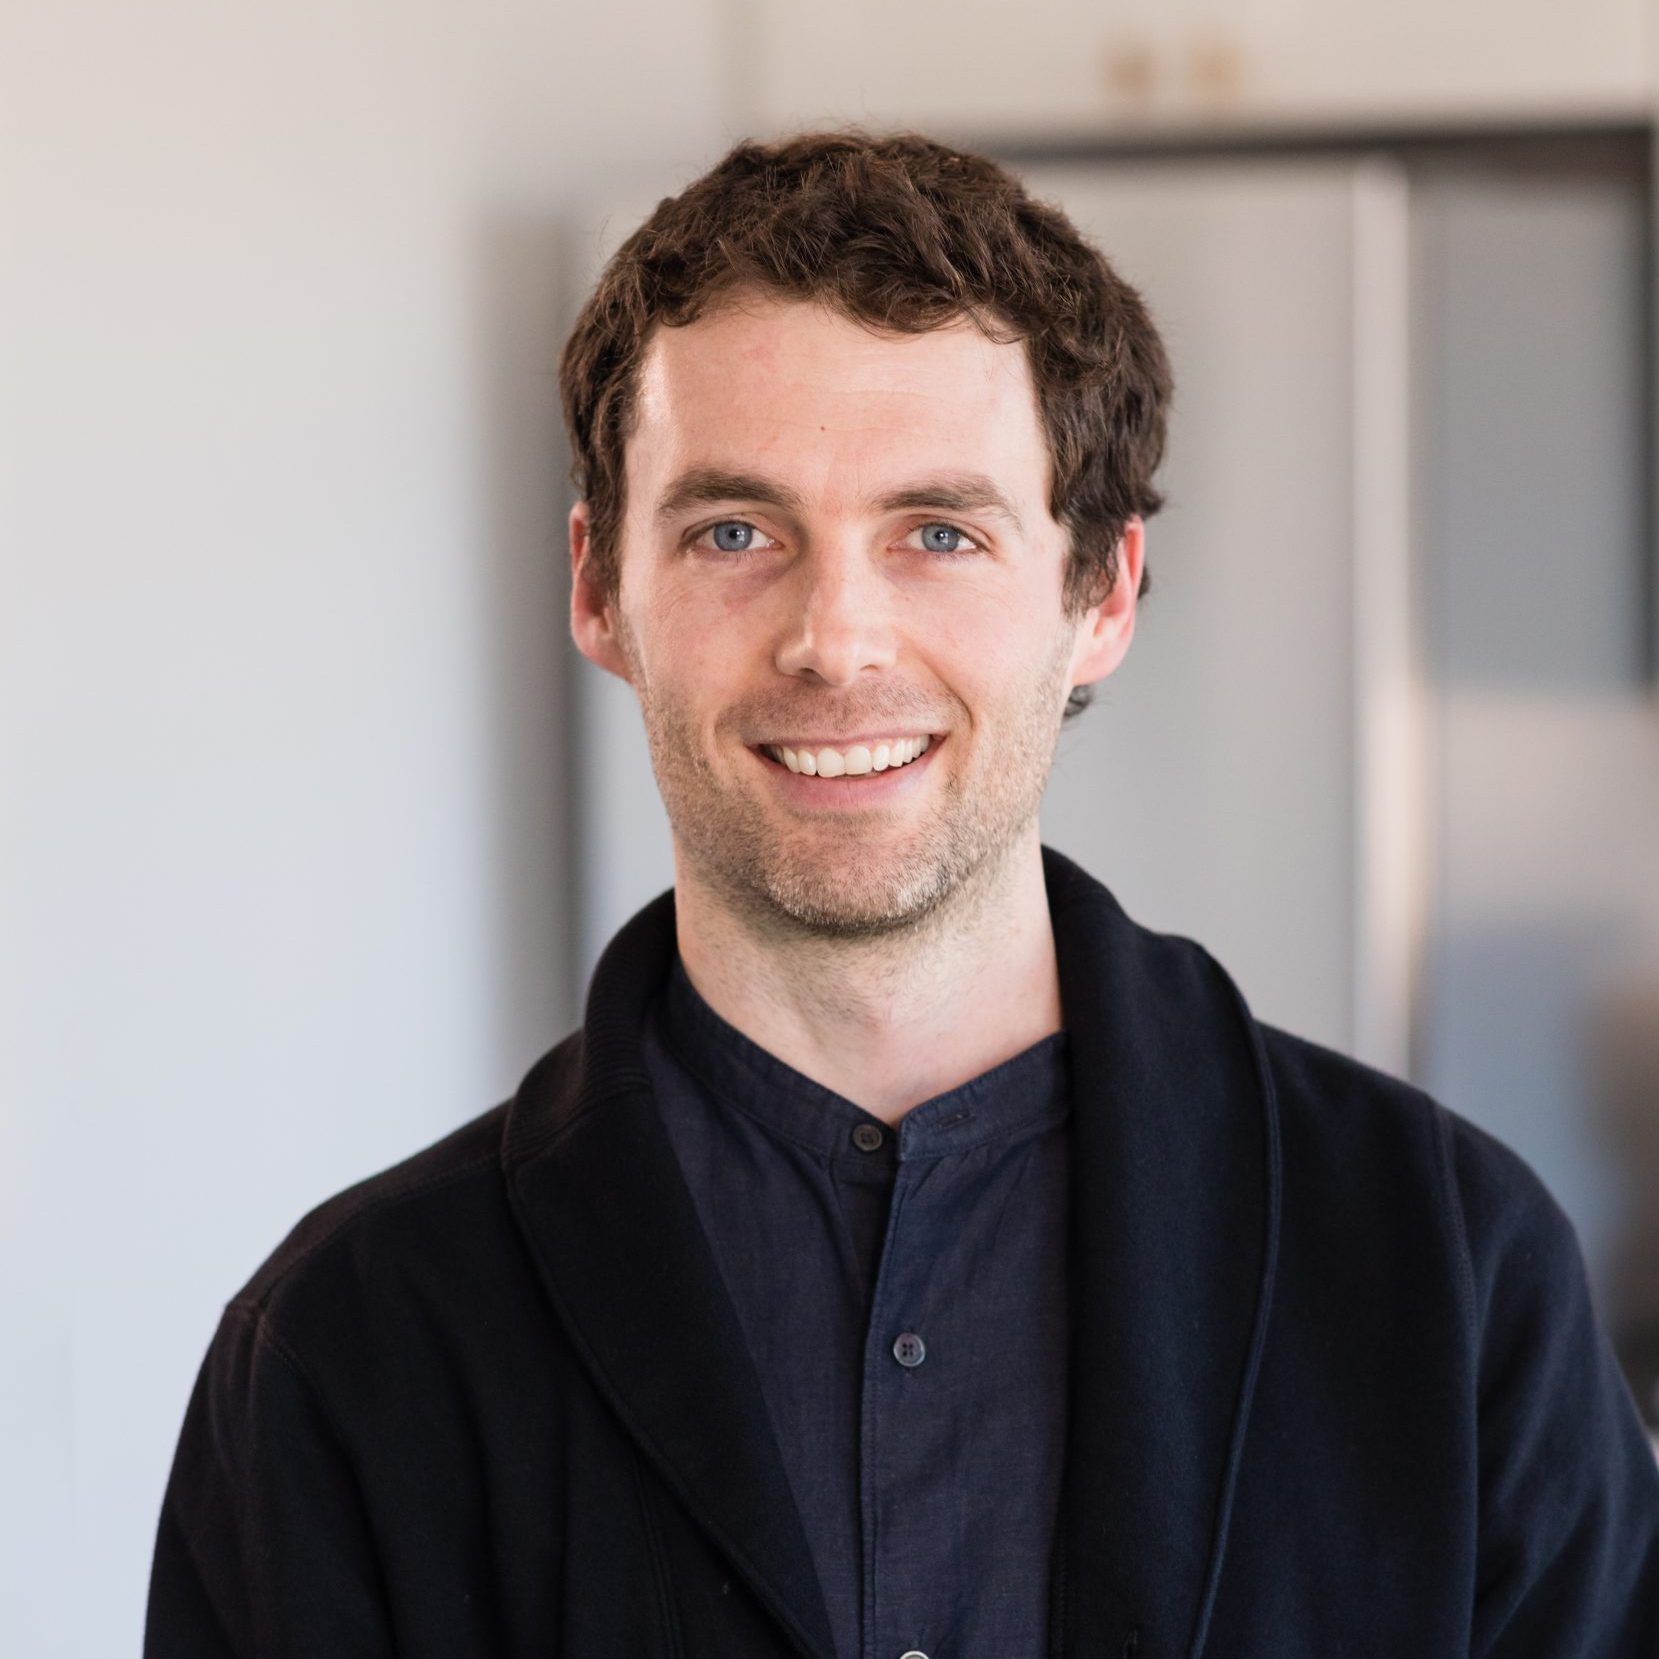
(1174, 1235)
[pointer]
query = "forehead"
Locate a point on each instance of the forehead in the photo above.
(797, 390)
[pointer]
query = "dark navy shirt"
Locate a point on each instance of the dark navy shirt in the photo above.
(904, 1296)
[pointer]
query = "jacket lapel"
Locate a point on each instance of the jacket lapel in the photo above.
(1174, 1217)
(598, 1191)
(1174, 1232)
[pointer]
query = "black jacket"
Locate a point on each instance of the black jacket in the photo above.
(1336, 1384)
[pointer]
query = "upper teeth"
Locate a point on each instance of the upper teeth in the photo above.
(831, 763)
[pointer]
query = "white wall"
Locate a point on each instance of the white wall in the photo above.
(282, 649)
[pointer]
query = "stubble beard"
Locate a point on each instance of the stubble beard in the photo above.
(846, 876)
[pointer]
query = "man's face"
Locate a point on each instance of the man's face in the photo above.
(834, 541)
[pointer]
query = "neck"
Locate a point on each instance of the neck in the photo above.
(892, 1021)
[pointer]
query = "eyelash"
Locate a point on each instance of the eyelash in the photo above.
(974, 543)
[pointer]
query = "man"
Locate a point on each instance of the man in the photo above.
(910, 1256)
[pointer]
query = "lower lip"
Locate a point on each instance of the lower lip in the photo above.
(846, 794)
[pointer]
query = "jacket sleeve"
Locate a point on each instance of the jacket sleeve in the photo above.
(1568, 1548)
(263, 1550)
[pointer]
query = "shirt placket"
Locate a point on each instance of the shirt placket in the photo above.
(895, 1397)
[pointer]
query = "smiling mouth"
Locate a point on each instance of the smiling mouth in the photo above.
(856, 760)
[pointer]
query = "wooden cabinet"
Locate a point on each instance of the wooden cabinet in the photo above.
(985, 68)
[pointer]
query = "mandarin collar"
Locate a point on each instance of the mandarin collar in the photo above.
(1021, 1096)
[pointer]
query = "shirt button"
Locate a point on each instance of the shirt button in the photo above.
(914, 1653)
(910, 1350)
(866, 1137)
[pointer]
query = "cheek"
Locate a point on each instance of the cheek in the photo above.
(692, 641)
(987, 646)
(721, 622)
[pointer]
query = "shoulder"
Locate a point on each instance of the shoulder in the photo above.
(411, 1286)
(426, 1224)
(1368, 1128)
(1333, 1107)
(433, 1227)
(1309, 1076)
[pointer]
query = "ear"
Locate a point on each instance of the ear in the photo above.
(1104, 635)
(592, 625)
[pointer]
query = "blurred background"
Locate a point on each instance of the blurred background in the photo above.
(312, 822)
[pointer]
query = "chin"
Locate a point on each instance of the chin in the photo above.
(860, 904)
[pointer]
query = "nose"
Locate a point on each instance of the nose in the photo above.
(840, 620)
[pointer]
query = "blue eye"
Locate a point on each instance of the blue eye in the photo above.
(945, 538)
(732, 535)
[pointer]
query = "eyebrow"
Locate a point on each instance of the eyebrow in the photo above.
(954, 492)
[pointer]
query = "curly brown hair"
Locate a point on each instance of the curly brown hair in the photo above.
(899, 232)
